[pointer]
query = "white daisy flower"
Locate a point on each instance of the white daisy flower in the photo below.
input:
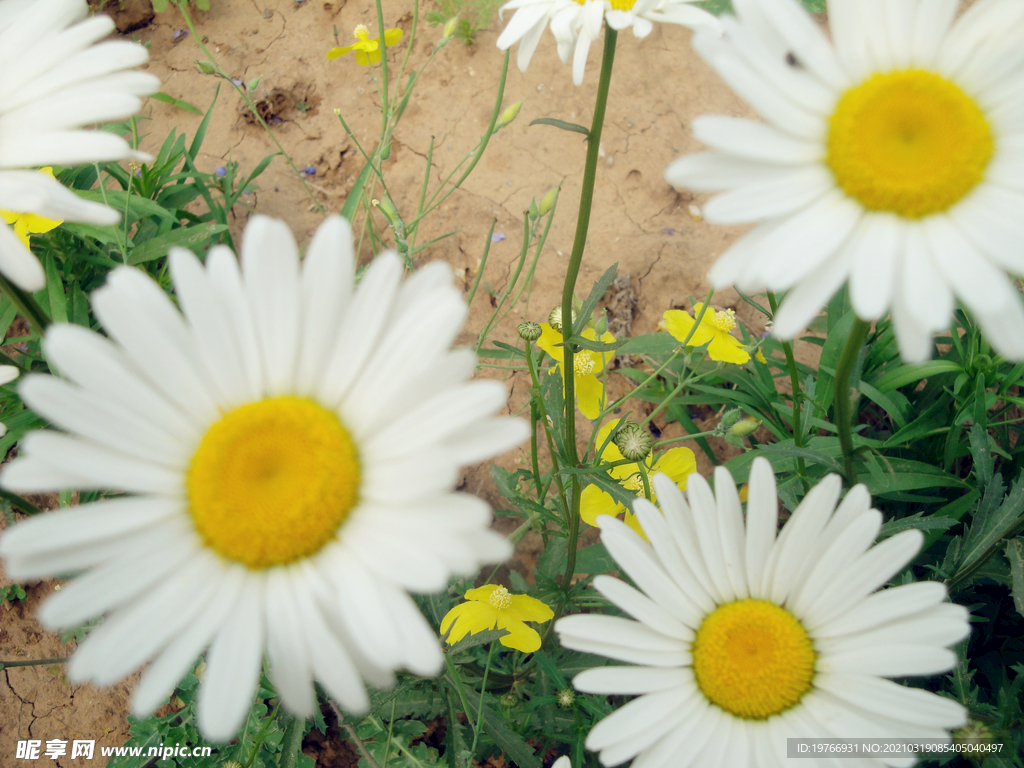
(289, 445)
(893, 159)
(55, 78)
(744, 639)
(577, 23)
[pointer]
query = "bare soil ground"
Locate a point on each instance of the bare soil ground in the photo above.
(639, 221)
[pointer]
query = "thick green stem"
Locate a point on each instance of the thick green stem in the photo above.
(843, 401)
(575, 260)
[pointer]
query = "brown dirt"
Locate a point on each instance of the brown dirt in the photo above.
(639, 221)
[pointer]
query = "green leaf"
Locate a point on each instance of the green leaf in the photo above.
(55, 291)
(984, 464)
(1015, 555)
(909, 374)
(595, 559)
(650, 344)
(886, 403)
(348, 210)
(599, 290)
(792, 451)
(478, 638)
(904, 475)
(991, 525)
(291, 743)
(505, 739)
(179, 103)
(574, 127)
(917, 520)
(184, 237)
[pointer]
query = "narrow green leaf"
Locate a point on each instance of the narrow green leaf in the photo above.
(596, 346)
(917, 520)
(55, 291)
(984, 464)
(179, 103)
(348, 210)
(478, 638)
(909, 374)
(184, 237)
(792, 451)
(599, 289)
(197, 140)
(565, 126)
(649, 344)
(291, 743)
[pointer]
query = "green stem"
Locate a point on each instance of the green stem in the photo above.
(27, 306)
(33, 662)
(575, 260)
(794, 381)
(844, 404)
(483, 690)
(535, 381)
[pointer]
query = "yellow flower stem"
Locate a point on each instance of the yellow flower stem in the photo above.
(572, 273)
(320, 208)
(843, 403)
(794, 380)
(483, 690)
(27, 306)
(645, 479)
(543, 412)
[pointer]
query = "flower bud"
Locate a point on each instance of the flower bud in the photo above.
(529, 331)
(449, 27)
(730, 417)
(532, 211)
(555, 318)
(974, 737)
(633, 440)
(744, 427)
(386, 208)
(509, 115)
(508, 700)
(566, 698)
(548, 201)
(206, 67)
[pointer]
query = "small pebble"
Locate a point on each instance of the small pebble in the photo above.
(540, 87)
(610, 161)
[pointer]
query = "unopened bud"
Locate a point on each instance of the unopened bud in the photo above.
(555, 318)
(601, 326)
(974, 737)
(566, 698)
(508, 700)
(633, 440)
(744, 427)
(386, 208)
(206, 67)
(449, 27)
(337, 112)
(529, 331)
(509, 115)
(730, 417)
(532, 211)
(548, 201)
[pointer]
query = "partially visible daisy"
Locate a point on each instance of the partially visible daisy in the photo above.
(367, 50)
(676, 463)
(715, 327)
(576, 24)
(891, 161)
(54, 79)
(586, 363)
(27, 224)
(493, 606)
(288, 445)
(743, 639)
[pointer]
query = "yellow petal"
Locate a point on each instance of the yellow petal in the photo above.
(726, 348)
(362, 59)
(9, 216)
(678, 464)
(336, 53)
(36, 225)
(760, 357)
(520, 637)
(548, 340)
(481, 593)
(392, 36)
(470, 617)
(678, 323)
(526, 608)
(601, 359)
(595, 502)
(589, 393)
(373, 56)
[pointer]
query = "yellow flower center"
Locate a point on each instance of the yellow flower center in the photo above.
(500, 598)
(908, 142)
(753, 659)
(582, 364)
(361, 31)
(634, 483)
(272, 481)
(725, 320)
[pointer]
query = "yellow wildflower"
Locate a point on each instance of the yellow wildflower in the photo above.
(493, 606)
(367, 51)
(587, 364)
(26, 224)
(714, 327)
(677, 463)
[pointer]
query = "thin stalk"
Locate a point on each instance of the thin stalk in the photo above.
(33, 662)
(383, 71)
(794, 381)
(572, 273)
(483, 690)
(27, 306)
(844, 406)
(535, 383)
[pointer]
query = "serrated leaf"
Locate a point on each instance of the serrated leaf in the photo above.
(984, 464)
(1015, 555)
(991, 524)
(595, 559)
(479, 638)
(184, 237)
(565, 126)
(917, 520)
(649, 344)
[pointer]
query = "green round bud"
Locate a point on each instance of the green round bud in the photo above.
(566, 698)
(744, 427)
(555, 318)
(508, 700)
(633, 440)
(529, 330)
(730, 417)
(509, 114)
(206, 67)
(548, 201)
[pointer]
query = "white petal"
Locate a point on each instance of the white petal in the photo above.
(762, 522)
(629, 680)
(753, 140)
(882, 607)
(890, 700)
(874, 257)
